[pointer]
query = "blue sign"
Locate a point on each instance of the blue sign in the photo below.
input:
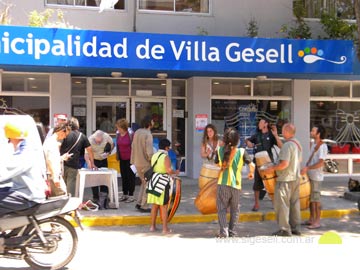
(102, 49)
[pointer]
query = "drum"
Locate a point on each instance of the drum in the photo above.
(304, 190)
(205, 201)
(174, 200)
(262, 158)
(269, 179)
(208, 173)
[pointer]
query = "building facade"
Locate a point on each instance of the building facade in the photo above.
(185, 63)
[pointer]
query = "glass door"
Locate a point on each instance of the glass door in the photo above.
(156, 110)
(107, 110)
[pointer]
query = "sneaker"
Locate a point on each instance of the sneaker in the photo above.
(296, 232)
(144, 210)
(130, 199)
(281, 233)
(123, 198)
(233, 234)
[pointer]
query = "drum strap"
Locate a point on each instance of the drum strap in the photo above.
(296, 144)
(312, 154)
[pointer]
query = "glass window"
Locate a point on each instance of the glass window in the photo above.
(78, 86)
(244, 114)
(37, 107)
(178, 88)
(78, 110)
(29, 82)
(193, 6)
(272, 88)
(178, 127)
(107, 112)
(110, 87)
(343, 9)
(340, 118)
(148, 87)
(231, 87)
(330, 88)
(83, 3)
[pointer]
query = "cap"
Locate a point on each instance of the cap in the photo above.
(61, 116)
(15, 131)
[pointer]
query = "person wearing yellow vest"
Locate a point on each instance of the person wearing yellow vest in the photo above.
(231, 159)
(158, 189)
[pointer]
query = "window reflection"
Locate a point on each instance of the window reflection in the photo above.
(32, 82)
(194, 6)
(244, 114)
(343, 9)
(89, 3)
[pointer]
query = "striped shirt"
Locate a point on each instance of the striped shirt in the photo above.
(231, 175)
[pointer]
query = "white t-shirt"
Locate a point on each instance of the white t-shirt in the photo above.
(52, 154)
(321, 153)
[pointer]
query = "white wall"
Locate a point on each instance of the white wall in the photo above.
(227, 18)
(301, 114)
(198, 103)
(60, 94)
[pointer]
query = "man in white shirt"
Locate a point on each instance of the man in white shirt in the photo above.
(314, 169)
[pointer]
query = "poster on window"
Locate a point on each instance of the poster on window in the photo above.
(244, 120)
(60, 118)
(247, 122)
(201, 120)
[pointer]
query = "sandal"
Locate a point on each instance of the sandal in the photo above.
(90, 206)
(313, 227)
(306, 223)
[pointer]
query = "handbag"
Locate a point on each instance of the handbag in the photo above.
(149, 173)
(56, 189)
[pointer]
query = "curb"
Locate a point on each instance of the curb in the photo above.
(92, 221)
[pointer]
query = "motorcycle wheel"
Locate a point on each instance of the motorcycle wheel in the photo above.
(61, 247)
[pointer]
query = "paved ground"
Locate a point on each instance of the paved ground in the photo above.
(194, 246)
(333, 203)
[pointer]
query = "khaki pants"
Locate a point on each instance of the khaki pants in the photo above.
(287, 205)
(70, 179)
(142, 197)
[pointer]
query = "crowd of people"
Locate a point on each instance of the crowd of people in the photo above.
(65, 146)
(230, 158)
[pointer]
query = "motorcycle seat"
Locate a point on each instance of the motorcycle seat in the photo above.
(48, 205)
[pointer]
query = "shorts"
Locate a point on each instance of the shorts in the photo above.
(258, 182)
(315, 193)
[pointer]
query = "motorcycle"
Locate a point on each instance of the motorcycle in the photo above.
(42, 235)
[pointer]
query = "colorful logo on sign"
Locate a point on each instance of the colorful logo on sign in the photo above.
(312, 55)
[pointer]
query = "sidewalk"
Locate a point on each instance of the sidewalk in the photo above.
(333, 202)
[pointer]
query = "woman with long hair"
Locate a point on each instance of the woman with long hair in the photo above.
(209, 144)
(230, 158)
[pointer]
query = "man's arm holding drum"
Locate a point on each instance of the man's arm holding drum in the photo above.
(282, 165)
(274, 132)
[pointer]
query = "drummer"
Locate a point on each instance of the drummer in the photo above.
(263, 140)
(209, 144)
